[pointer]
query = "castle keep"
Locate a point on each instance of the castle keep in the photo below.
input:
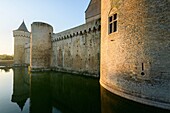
(132, 48)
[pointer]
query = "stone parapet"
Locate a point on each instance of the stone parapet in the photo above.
(21, 34)
(77, 50)
(79, 30)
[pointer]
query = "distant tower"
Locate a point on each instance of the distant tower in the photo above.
(21, 38)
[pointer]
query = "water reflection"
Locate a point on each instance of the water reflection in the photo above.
(20, 86)
(64, 93)
(77, 94)
(40, 98)
(111, 103)
(51, 92)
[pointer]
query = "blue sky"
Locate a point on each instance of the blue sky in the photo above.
(61, 14)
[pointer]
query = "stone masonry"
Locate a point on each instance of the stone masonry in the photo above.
(21, 46)
(135, 60)
(76, 50)
(131, 52)
(40, 46)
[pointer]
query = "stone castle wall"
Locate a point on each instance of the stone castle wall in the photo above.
(135, 60)
(21, 38)
(40, 47)
(77, 50)
(27, 53)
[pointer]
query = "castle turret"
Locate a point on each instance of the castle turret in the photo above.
(21, 38)
(40, 45)
(135, 50)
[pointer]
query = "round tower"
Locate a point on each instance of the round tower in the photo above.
(40, 46)
(21, 38)
(135, 50)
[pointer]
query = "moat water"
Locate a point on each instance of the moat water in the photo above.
(53, 92)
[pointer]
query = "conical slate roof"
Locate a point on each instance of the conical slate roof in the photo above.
(21, 105)
(22, 27)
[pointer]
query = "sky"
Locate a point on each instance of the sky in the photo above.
(61, 14)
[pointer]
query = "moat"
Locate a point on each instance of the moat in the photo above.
(53, 92)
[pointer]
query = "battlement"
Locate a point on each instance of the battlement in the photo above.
(21, 34)
(80, 30)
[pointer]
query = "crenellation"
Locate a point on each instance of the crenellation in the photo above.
(80, 30)
(71, 50)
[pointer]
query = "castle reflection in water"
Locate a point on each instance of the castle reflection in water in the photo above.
(52, 92)
(49, 90)
(21, 85)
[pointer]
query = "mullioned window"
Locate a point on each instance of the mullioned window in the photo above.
(112, 23)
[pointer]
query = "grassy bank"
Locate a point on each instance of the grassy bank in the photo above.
(6, 62)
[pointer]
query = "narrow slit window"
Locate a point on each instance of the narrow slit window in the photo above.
(113, 23)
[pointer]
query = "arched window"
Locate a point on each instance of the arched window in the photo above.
(112, 23)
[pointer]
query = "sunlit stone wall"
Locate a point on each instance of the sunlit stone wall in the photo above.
(27, 52)
(135, 60)
(20, 39)
(77, 50)
(40, 46)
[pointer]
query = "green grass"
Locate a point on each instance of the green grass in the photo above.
(6, 62)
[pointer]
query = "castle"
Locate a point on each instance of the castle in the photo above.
(75, 50)
(131, 50)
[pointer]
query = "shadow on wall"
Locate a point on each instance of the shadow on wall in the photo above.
(111, 103)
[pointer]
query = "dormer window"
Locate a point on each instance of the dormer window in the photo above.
(112, 23)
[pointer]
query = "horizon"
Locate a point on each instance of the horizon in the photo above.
(61, 15)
